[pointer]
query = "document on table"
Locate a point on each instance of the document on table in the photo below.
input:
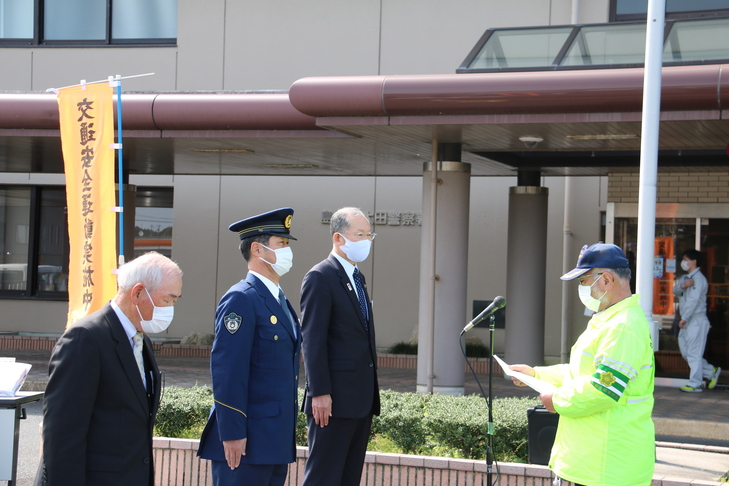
(535, 383)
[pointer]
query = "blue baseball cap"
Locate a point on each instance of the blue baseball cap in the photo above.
(276, 222)
(599, 255)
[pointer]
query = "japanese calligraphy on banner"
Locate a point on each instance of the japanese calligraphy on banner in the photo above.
(87, 132)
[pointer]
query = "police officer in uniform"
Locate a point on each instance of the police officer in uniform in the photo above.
(254, 362)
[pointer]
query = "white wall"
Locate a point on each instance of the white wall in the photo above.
(208, 252)
(254, 45)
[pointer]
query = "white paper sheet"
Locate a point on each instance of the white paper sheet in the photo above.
(535, 383)
(12, 376)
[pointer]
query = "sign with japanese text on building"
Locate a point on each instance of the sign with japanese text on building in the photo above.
(87, 134)
(663, 248)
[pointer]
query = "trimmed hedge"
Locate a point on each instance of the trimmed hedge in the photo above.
(182, 409)
(454, 426)
(473, 349)
(415, 423)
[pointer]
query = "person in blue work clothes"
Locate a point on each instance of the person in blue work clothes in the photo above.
(254, 362)
(694, 326)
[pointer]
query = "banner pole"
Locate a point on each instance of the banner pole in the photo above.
(120, 165)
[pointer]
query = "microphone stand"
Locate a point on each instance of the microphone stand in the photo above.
(490, 444)
(489, 399)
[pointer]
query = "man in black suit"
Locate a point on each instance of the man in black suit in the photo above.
(338, 333)
(104, 386)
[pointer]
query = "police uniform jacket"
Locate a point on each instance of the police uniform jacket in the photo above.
(254, 364)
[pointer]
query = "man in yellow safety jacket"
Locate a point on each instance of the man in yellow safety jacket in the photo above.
(604, 394)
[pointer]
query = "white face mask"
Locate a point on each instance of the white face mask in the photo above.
(284, 260)
(357, 251)
(685, 265)
(586, 297)
(161, 317)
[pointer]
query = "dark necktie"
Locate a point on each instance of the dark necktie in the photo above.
(282, 301)
(361, 294)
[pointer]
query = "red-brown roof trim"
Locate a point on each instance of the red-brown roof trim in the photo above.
(599, 91)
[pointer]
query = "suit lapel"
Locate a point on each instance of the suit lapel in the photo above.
(274, 306)
(126, 357)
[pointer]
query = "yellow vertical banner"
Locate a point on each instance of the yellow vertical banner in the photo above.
(87, 133)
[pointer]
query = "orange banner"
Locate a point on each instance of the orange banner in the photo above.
(87, 132)
(663, 280)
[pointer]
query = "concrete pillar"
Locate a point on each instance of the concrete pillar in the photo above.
(526, 268)
(451, 268)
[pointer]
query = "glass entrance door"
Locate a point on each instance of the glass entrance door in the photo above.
(673, 237)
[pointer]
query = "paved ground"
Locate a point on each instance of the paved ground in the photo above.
(687, 422)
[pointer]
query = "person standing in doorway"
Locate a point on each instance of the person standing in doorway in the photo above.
(691, 289)
(342, 393)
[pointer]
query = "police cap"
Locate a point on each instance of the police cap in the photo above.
(276, 222)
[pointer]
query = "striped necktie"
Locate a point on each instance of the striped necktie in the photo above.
(138, 343)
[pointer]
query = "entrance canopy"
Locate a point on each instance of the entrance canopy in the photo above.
(588, 122)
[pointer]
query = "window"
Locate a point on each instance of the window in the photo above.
(520, 48)
(34, 246)
(622, 10)
(153, 221)
(596, 46)
(607, 45)
(698, 41)
(88, 22)
(33, 242)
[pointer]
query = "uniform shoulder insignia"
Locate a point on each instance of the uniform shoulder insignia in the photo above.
(232, 322)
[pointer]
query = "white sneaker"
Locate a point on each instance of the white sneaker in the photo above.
(714, 378)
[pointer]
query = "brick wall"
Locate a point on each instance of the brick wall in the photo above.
(176, 464)
(673, 187)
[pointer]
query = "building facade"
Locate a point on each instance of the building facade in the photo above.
(189, 185)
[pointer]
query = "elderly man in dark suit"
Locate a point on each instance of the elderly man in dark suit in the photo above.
(104, 386)
(342, 392)
(250, 436)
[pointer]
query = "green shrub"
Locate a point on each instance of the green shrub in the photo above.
(410, 423)
(477, 350)
(302, 438)
(403, 348)
(401, 420)
(182, 409)
(461, 424)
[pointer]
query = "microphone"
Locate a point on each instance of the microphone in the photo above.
(498, 303)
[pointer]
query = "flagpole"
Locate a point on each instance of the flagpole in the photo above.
(100, 81)
(120, 164)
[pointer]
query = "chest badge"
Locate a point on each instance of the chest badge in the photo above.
(232, 322)
(274, 320)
